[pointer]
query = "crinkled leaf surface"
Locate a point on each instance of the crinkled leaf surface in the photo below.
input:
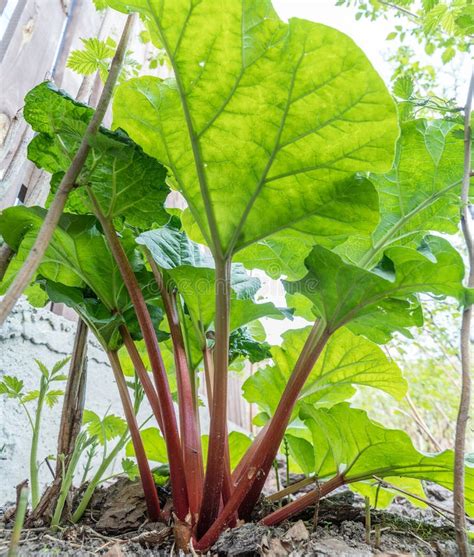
(346, 361)
(242, 344)
(77, 255)
(262, 120)
(79, 269)
(172, 248)
(347, 441)
(100, 320)
(177, 255)
(103, 322)
(20, 225)
(377, 303)
(126, 182)
(420, 193)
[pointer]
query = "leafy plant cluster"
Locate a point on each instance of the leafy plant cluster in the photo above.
(287, 148)
(14, 388)
(92, 448)
(96, 55)
(444, 27)
(431, 41)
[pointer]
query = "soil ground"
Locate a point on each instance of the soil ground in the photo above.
(115, 526)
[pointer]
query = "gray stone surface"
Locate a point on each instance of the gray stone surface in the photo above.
(31, 333)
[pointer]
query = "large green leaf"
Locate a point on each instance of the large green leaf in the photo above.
(126, 182)
(353, 212)
(346, 361)
(382, 497)
(348, 442)
(77, 255)
(191, 269)
(420, 193)
(79, 269)
(378, 302)
(101, 321)
(171, 248)
(302, 453)
(262, 122)
(19, 227)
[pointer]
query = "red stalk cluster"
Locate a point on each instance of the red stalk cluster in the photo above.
(212, 502)
(146, 476)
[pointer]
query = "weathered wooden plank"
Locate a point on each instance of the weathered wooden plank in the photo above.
(31, 51)
(84, 22)
(29, 54)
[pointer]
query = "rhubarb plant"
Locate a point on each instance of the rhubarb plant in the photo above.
(285, 145)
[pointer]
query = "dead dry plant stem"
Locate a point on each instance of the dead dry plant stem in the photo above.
(422, 424)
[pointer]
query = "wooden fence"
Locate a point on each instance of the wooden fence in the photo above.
(36, 37)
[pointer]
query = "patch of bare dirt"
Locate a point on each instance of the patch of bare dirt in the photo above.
(115, 525)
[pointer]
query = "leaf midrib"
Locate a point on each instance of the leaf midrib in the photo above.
(384, 241)
(216, 247)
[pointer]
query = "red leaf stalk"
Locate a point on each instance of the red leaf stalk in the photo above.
(143, 376)
(191, 442)
(303, 502)
(170, 428)
(146, 477)
(216, 461)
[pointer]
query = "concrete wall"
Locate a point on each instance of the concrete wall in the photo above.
(31, 333)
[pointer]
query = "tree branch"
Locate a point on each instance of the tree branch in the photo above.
(399, 9)
(465, 398)
(70, 425)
